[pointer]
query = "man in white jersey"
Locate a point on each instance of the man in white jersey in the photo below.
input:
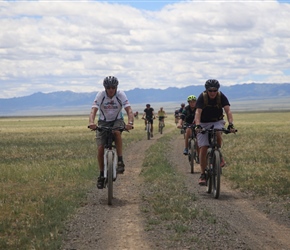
(110, 103)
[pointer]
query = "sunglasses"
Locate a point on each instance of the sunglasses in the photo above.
(212, 90)
(111, 87)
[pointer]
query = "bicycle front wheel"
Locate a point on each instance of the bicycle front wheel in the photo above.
(216, 174)
(110, 177)
(148, 132)
(208, 173)
(191, 155)
(161, 128)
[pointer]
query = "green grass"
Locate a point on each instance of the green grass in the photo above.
(258, 155)
(47, 165)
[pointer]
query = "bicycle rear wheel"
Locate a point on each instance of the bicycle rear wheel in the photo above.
(216, 174)
(110, 177)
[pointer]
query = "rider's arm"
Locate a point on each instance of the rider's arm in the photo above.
(179, 125)
(130, 116)
(197, 116)
(92, 117)
(229, 114)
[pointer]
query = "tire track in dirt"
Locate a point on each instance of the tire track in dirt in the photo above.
(250, 226)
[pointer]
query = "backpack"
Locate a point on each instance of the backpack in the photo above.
(205, 100)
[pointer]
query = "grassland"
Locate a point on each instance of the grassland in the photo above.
(47, 165)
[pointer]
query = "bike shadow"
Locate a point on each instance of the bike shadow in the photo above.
(116, 202)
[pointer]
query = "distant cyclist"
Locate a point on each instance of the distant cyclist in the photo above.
(149, 115)
(161, 115)
(187, 118)
(209, 111)
(110, 103)
(182, 107)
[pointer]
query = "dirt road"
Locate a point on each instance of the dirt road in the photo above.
(122, 225)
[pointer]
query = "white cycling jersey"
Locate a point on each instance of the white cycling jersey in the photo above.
(110, 109)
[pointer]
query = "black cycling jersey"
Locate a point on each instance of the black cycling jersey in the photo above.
(211, 112)
(188, 115)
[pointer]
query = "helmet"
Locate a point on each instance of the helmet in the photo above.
(191, 98)
(182, 104)
(147, 105)
(110, 81)
(212, 83)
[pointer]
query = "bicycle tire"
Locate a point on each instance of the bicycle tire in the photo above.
(216, 174)
(208, 174)
(148, 132)
(196, 156)
(191, 155)
(161, 128)
(110, 177)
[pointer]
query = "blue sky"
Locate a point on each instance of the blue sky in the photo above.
(52, 46)
(153, 5)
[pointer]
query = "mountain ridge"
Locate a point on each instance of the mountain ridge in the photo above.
(59, 99)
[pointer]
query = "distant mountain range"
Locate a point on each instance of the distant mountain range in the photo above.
(72, 100)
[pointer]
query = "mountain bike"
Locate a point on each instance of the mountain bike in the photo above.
(213, 169)
(161, 123)
(192, 148)
(148, 127)
(110, 158)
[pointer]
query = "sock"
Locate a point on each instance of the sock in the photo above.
(120, 158)
(101, 173)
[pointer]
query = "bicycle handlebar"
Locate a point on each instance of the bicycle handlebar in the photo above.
(106, 128)
(224, 130)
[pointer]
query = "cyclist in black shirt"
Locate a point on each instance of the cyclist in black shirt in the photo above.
(149, 115)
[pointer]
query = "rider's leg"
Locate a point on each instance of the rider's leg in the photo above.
(202, 158)
(118, 142)
(101, 158)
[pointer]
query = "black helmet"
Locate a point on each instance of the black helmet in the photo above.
(110, 81)
(148, 105)
(212, 83)
(182, 104)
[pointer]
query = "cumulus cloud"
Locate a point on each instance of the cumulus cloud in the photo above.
(52, 46)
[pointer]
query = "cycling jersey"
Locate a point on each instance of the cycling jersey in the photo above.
(211, 112)
(110, 109)
(188, 115)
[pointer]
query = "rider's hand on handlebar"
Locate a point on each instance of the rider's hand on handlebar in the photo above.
(92, 126)
(129, 126)
(231, 128)
(198, 129)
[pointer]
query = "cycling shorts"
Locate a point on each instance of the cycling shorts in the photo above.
(101, 135)
(202, 139)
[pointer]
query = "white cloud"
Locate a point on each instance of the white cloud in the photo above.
(52, 46)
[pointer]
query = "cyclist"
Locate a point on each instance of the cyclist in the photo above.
(176, 115)
(182, 107)
(187, 118)
(161, 115)
(110, 103)
(149, 114)
(209, 111)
